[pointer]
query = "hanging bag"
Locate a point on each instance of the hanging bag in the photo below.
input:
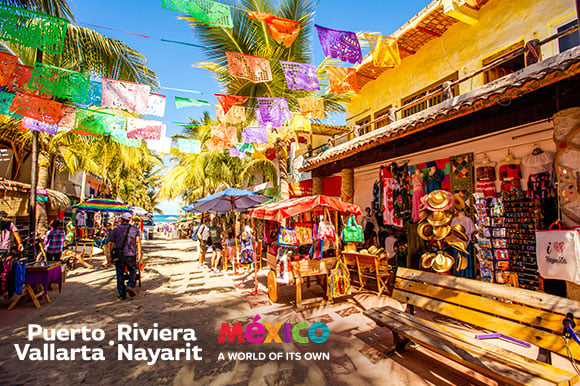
(558, 253)
(326, 230)
(352, 232)
(339, 281)
(304, 233)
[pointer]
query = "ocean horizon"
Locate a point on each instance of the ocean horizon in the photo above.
(159, 218)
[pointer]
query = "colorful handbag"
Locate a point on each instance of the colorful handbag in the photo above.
(287, 238)
(339, 281)
(352, 232)
(304, 233)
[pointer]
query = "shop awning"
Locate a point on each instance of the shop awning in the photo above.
(280, 210)
(56, 199)
(102, 205)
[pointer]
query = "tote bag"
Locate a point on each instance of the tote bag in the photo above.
(352, 232)
(558, 254)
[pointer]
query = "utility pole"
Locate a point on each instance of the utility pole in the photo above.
(34, 176)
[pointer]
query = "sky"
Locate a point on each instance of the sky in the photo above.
(173, 62)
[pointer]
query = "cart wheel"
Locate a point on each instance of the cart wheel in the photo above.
(272, 286)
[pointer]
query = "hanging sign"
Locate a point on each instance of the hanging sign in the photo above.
(192, 146)
(385, 51)
(156, 105)
(60, 82)
(128, 96)
(252, 68)
(92, 123)
(7, 66)
(342, 79)
(284, 31)
(31, 106)
(339, 44)
(312, 107)
(300, 76)
(144, 128)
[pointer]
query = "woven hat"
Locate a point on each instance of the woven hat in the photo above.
(462, 265)
(457, 243)
(443, 262)
(427, 259)
(459, 231)
(439, 218)
(439, 233)
(373, 250)
(459, 204)
(425, 231)
(438, 200)
(423, 215)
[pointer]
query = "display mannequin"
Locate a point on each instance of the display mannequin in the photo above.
(418, 192)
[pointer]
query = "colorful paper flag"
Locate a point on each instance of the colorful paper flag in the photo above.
(144, 128)
(6, 99)
(385, 50)
(20, 79)
(68, 118)
(284, 31)
(7, 66)
(92, 123)
(94, 94)
(252, 68)
(300, 76)
(60, 82)
(254, 135)
(227, 101)
(234, 152)
(223, 136)
(120, 136)
(342, 79)
(273, 111)
(33, 124)
(237, 114)
(156, 105)
(32, 29)
(339, 44)
(187, 102)
(192, 146)
(128, 96)
(300, 123)
(208, 12)
(31, 106)
(161, 146)
(312, 107)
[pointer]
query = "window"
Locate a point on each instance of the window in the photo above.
(384, 121)
(435, 97)
(505, 68)
(363, 122)
(568, 41)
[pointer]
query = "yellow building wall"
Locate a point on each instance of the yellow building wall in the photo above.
(461, 48)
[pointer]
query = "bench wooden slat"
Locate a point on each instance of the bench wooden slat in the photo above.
(534, 336)
(481, 356)
(517, 295)
(518, 313)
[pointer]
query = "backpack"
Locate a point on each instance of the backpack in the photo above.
(194, 236)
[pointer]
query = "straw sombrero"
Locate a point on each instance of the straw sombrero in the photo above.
(439, 218)
(438, 200)
(443, 262)
(440, 232)
(427, 259)
(459, 231)
(425, 231)
(457, 243)
(423, 215)
(373, 250)
(462, 265)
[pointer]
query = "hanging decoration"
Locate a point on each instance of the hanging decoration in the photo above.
(33, 124)
(234, 152)
(237, 114)
(219, 113)
(385, 51)
(252, 68)
(227, 101)
(339, 44)
(128, 96)
(254, 135)
(245, 148)
(68, 118)
(312, 107)
(161, 146)
(144, 128)
(156, 104)
(284, 31)
(6, 99)
(60, 82)
(273, 111)
(192, 146)
(208, 12)
(94, 94)
(300, 76)
(300, 123)
(342, 79)
(223, 136)
(32, 29)
(7, 65)
(34, 107)
(20, 79)
(188, 102)
(92, 123)
(120, 136)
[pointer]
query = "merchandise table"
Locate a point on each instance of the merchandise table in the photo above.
(371, 262)
(37, 282)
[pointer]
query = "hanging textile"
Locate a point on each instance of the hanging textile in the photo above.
(252, 68)
(156, 105)
(461, 177)
(144, 128)
(60, 82)
(274, 111)
(300, 76)
(254, 135)
(128, 96)
(223, 136)
(7, 66)
(34, 107)
(33, 124)
(68, 118)
(237, 114)
(342, 79)
(227, 101)
(188, 102)
(94, 94)
(208, 12)
(161, 146)
(300, 123)
(32, 29)
(284, 31)
(192, 146)
(339, 44)
(385, 50)
(312, 107)
(91, 122)
(120, 136)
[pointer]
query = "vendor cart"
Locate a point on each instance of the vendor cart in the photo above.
(283, 271)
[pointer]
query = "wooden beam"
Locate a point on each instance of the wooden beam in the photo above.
(428, 31)
(460, 12)
(407, 51)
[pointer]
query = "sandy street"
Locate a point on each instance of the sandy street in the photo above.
(177, 293)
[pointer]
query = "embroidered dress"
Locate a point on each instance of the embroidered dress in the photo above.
(485, 180)
(246, 248)
(510, 176)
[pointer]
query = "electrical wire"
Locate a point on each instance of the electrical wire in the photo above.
(570, 357)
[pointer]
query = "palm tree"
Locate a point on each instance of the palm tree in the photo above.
(250, 36)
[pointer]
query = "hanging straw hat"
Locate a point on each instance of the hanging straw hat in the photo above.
(425, 231)
(462, 263)
(427, 259)
(459, 204)
(457, 243)
(443, 262)
(438, 200)
(423, 215)
(439, 233)
(459, 231)
(439, 218)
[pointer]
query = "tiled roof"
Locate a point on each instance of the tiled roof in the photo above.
(533, 77)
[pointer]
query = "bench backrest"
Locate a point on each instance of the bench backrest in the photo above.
(531, 316)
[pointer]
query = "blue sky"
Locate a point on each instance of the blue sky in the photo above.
(173, 62)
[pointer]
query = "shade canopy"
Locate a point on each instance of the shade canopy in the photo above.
(280, 210)
(102, 205)
(226, 201)
(138, 211)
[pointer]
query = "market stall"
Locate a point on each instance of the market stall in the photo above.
(301, 240)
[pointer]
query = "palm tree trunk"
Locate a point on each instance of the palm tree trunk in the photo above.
(43, 176)
(282, 156)
(83, 186)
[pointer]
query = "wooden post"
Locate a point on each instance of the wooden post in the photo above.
(347, 185)
(316, 186)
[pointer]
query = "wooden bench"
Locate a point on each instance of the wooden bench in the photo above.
(528, 316)
(373, 263)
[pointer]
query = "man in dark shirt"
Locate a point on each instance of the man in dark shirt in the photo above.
(216, 232)
(130, 255)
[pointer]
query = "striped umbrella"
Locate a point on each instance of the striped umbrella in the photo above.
(102, 205)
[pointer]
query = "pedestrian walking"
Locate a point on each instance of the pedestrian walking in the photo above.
(204, 239)
(215, 233)
(106, 244)
(126, 253)
(54, 241)
(7, 231)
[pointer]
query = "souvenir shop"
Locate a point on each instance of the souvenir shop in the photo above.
(469, 209)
